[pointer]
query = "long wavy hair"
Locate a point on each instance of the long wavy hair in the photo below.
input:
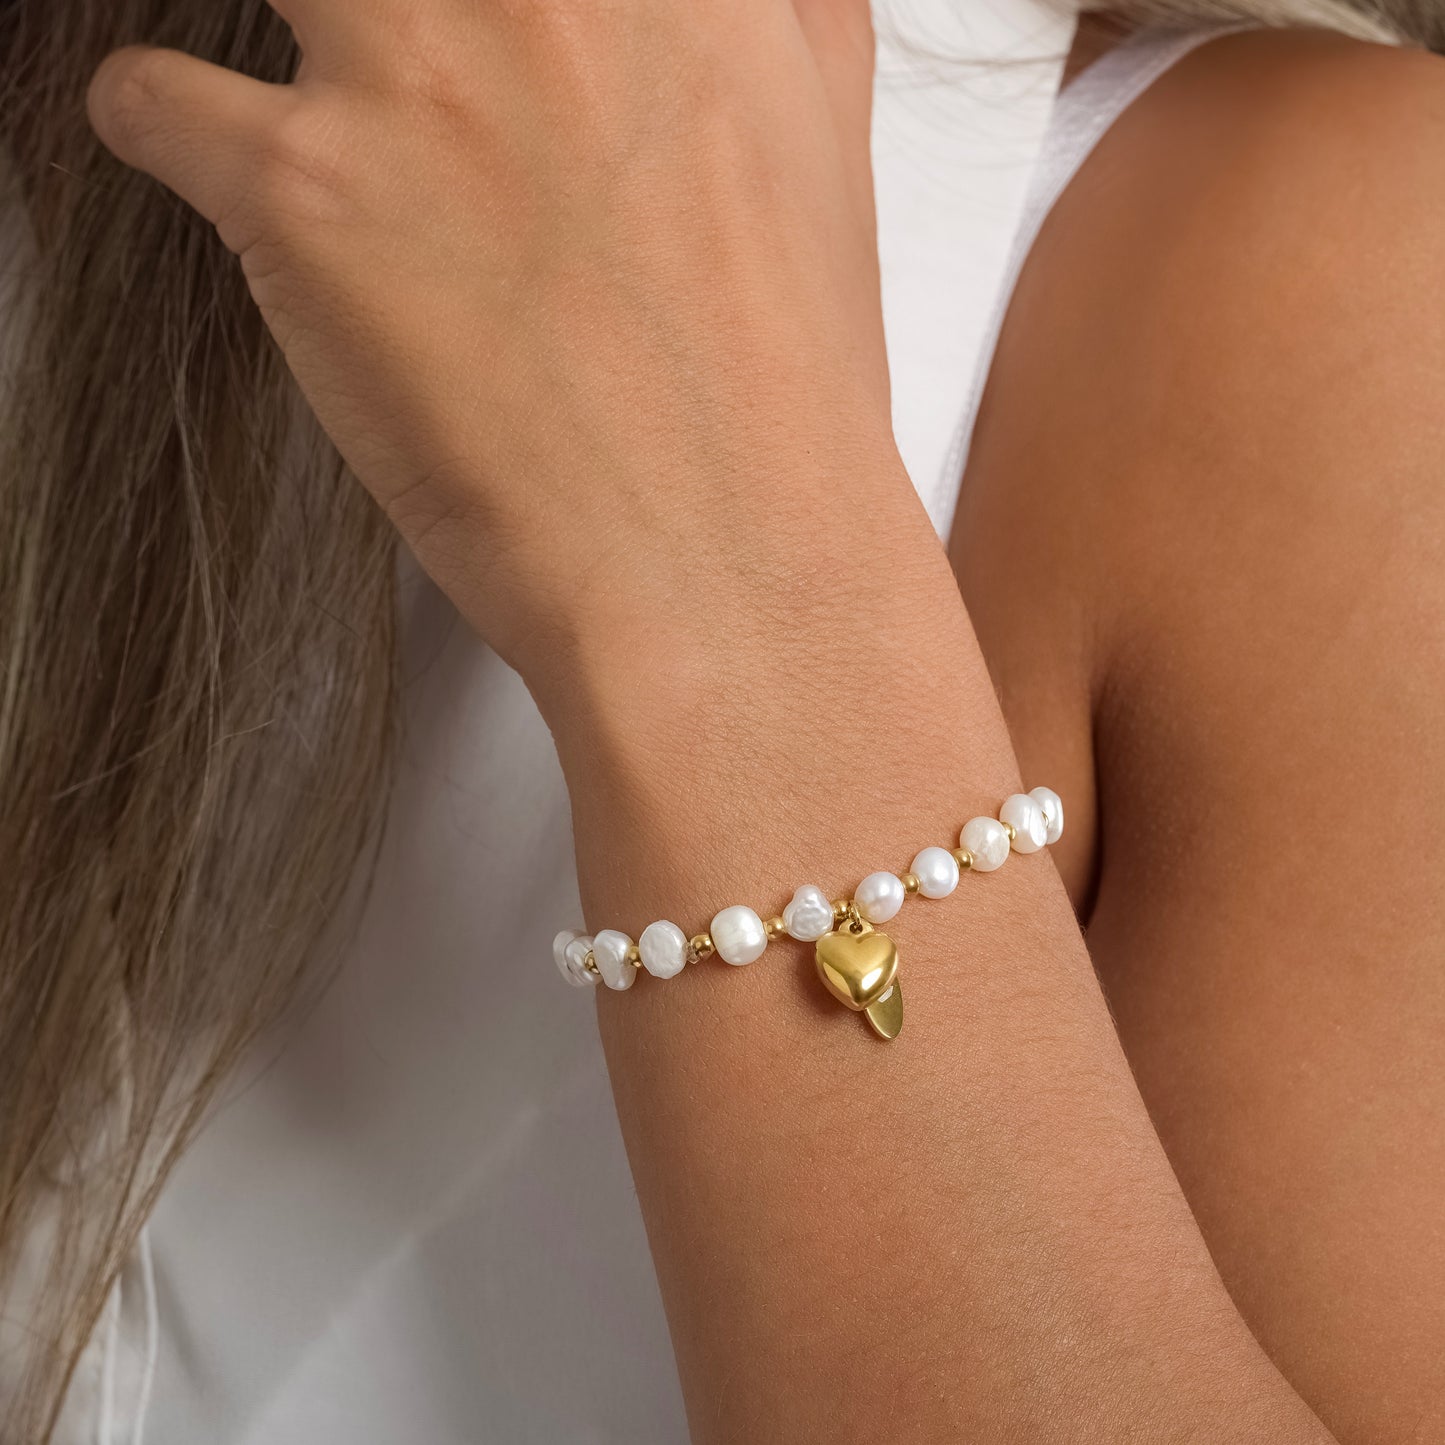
(196, 639)
(196, 660)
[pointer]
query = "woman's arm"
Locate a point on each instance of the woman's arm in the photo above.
(1216, 420)
(971, 1233)
(587, 297)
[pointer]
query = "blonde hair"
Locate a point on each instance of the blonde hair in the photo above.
(196, 636)
(196, 659)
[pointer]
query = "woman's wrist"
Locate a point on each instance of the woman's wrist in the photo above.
(819, 644)
(733, 548)
(832, 720)
(799, 567)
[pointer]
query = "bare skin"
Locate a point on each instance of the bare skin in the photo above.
(1229, 647)
(1234, 500)
(685, 524)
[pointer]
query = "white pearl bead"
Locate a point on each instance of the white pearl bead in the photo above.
(880, 896)
(576, 953)
(809, 916)
(937, 872)
(609, 953)
(663, 946)
(1053, 807)
(559, 956)
(987, 840)
(738, 935)
(1031, 828)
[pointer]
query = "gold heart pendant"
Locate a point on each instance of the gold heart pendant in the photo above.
(857, 963)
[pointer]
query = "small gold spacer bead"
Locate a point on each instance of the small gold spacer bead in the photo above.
(963, 858)
(910, 882)
(1011, 831)
(840, 909)
(590, 963)
(700, 945)
(776, 927)
(634, 956)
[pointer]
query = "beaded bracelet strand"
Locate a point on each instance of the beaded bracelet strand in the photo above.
(857, 963)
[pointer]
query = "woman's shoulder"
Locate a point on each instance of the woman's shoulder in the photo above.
(1293, 93)
(1267, 167)
(1258, 241)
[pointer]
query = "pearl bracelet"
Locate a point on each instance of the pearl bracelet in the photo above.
(857, 963)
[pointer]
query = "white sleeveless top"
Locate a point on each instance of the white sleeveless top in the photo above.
(414, 1222)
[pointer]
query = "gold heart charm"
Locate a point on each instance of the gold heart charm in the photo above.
(857, 963)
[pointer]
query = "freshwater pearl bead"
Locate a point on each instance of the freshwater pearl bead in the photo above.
(1053, 807)
(809, 916)
(560, 945)
(1031, 828)
(663, 946)
(609, 953)
(738, 934)
(576, 954)
(987, 839)
(937, 872)
(880, 896)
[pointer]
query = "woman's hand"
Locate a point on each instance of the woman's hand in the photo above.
(586, 293)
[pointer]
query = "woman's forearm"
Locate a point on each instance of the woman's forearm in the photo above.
(587, 297)
(971, 1232)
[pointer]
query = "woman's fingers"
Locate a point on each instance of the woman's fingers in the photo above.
(194, 126)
